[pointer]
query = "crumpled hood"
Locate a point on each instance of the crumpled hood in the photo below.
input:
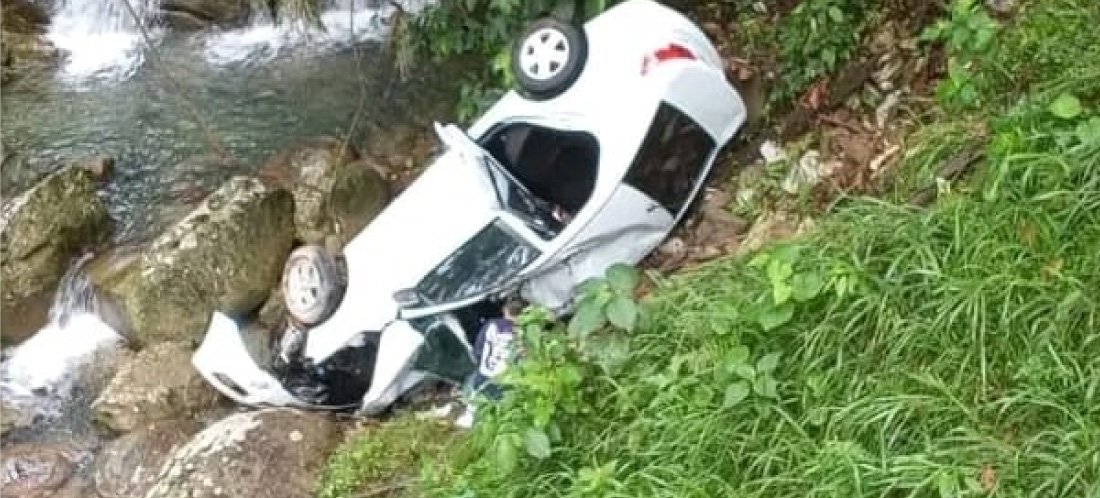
(446, 206)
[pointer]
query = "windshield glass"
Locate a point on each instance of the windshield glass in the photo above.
(511, 195)
(482, 264)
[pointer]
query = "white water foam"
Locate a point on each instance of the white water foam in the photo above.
(343, 23)
(74, 353)
(101, 38)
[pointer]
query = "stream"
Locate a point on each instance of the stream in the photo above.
(161, 104)
(157, 102)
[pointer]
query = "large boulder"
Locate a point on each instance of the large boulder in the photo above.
(41, 232)
(37, 471)
(156, 384)
(335, 193)
(127, 467)
(198, 14)
(226, 255)
(272, 453)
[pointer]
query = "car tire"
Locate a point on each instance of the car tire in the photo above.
(548, 58)
(313, 284)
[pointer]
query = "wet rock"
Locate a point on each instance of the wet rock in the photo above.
(225, 255)
(156, 384)
(32, 471)
(43, 230)
(273, 453)
(127, 467)
(334, 194)
(189, 15)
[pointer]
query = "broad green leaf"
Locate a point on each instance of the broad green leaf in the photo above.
(538, 444)
(737, 356)
(588, 319)
(736, 393)
(836, 14)
(768, 363)
(622, 312)
(505, 455)
(787, 253)
(765, 386)
(623, 278)
(776, 316)
(779, 271)
(760, 260)
(744, 371)
(781, 292)
(806, 285)
(1066, 106)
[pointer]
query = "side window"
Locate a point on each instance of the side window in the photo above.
(671, 158)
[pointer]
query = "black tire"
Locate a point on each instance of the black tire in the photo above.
(312, 301)
(546, 79)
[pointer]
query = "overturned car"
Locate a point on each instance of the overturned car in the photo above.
(591, 162)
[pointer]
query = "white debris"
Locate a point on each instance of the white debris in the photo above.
(772, 152)
(807, 172)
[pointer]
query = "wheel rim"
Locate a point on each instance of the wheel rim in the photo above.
(303, 289)
(544, 54)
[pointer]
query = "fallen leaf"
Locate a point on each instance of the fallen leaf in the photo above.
(988, 478)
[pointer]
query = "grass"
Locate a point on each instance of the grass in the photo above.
(951, 351)
(385, 460)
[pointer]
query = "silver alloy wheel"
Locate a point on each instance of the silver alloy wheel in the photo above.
(312, 284)
(544, 54)
(303, 286)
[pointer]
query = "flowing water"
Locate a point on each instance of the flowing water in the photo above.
(156, 101)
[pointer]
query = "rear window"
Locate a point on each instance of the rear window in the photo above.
(671, 158)
(483, 263)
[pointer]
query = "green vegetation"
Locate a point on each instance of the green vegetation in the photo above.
(384, 459)
(951, 351)
(816, 39)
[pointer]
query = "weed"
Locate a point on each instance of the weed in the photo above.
(815, 39)
(385, 456)
(967, 34)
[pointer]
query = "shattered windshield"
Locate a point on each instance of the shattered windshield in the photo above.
(483, 263)
(536, 213)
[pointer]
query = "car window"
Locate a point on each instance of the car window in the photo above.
(536, 213)
(671, 159)
(483, 263)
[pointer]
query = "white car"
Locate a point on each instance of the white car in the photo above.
(616, 124)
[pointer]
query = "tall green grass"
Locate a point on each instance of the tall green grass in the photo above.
(949, 351)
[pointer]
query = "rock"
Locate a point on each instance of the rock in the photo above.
(334, 193)
(43, 231)
(127, 467)
(272, 453)
(32, 471)
(157, 384)
(225, 255)
(197, 14)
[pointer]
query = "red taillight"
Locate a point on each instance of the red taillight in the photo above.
(672, 52)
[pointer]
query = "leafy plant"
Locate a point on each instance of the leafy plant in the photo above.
(814, 40)
(967, 34)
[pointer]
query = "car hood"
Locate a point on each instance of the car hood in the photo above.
(447, 205)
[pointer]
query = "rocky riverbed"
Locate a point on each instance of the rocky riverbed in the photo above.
(156, 428)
